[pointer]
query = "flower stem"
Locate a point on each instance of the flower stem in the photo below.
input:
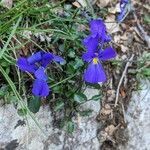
(63, 80)
(91, 8)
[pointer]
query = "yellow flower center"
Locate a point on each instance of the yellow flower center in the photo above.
(95, 60)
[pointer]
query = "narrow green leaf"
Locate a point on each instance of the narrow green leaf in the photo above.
(34, 104)
(96, 97)
(86, 112)
(70, 127)
(9, 39)
(80, 97)
(146, 71)
(59, 105)
(22, 112)
(78, 63)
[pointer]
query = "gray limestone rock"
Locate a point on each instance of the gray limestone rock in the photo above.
(17, 134)
(138, 118)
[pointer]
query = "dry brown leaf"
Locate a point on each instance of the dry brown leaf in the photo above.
(124, 37)
(83, 3)
(103, 136)
(102, 3)
(7, 3)
(107, 133)
(124, 49)
(114, 10)
(111, 92)
(123, 94)
(106, 110)
(76, 4)
(117, 38)
(111, 24)
(124, 57)
(110, 130)
(27, 34)
(81, 28)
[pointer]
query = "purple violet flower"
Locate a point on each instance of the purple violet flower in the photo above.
(95, 72)
(37, 64)
(95, 54)
(98, 28)
(123, 10)
(40, 86)
(98, 35)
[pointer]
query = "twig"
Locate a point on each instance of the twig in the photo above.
(146, 38)
(122, 77)
(123, 110)
(141, 4)
(133, 61)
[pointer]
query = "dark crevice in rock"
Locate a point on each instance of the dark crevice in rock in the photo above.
(12, 145)
(20, 123)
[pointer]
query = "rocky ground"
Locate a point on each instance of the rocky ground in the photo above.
(138, 119)
(16, 134)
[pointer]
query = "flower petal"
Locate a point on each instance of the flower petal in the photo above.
(40, 88)
(88, 56)
(58, 59)
(120, 17)
(94, 73)
(25, 66)
(97, 26)
(91, 43)
(106, 38)
(40, 74)
(46, 59)
(108, 53)
(123, 10)
(36, 57)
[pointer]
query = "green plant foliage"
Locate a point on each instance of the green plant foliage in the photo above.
(146, 72)
(22, 112)
(59, 105)
(34, 104)
(32, 25)
(96, 97)
(80, 97)
(147, 19)
(144, 67)
(86, 112)
(70, 127)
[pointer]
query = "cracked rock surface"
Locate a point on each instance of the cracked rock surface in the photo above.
(16, 134)
(138, 119)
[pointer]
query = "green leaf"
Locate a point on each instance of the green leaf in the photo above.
(34, 104)
(61, 47)
(4, 64)
(95, 86)
(70, 127)
(70, 68)
(57, 89)
(86, 112)
(22, 112)
(78, 63)
(96, 97)
(8, 70)
(12, 98)
(71, 54)
(3, 90)
(59, 105)
(80, 97)
(146, 71)
(147, 19)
